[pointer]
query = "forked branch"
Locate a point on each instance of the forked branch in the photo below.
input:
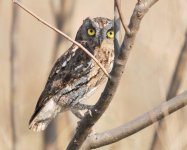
(116, 134)
(90, 118)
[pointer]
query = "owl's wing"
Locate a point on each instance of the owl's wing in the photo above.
(53, 85)
(63, 76)
(54, 82)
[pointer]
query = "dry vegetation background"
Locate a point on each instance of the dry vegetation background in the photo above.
(144, 84)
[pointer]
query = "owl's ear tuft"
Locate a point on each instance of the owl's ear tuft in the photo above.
(88, 19)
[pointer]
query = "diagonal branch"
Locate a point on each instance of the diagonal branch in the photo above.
(90, 118)
(141, 122)
(63, 34)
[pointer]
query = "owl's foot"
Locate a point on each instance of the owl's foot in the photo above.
(77, 107)
(80, 106)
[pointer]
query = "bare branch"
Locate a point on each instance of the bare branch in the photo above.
(176, 81)
(141, 122)
(91, 117)
(122, 17)
(63, 34)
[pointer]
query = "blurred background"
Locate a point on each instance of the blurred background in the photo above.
(28, 49)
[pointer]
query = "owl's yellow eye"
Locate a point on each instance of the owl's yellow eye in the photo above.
(110, 34)
(91, 32)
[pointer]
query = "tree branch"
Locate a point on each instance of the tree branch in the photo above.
(91, 117)
(141, 122)
(63, 34)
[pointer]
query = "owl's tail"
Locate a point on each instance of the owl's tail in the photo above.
(43, 116)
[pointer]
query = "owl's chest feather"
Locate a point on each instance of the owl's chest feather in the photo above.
(81, 74)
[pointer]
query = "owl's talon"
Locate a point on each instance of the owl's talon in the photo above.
(80, 106)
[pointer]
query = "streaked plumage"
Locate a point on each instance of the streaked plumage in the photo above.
(75, 75)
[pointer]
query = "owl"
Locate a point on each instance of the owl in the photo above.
(75, 76)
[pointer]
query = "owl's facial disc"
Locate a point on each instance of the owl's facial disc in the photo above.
(104, 30)
(95, 30)
(97, 35)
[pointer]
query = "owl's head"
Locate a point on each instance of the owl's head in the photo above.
(95, 31)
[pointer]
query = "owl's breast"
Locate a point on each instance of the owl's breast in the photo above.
(76, 75)
(105, 54)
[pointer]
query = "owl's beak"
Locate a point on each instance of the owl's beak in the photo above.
(100, 40)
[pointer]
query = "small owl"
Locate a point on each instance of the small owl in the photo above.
(75, 76)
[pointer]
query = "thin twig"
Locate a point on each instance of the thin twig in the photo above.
(63, 34)
(91, 117)
(177, 77)
(127, 30)
(139, 123)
